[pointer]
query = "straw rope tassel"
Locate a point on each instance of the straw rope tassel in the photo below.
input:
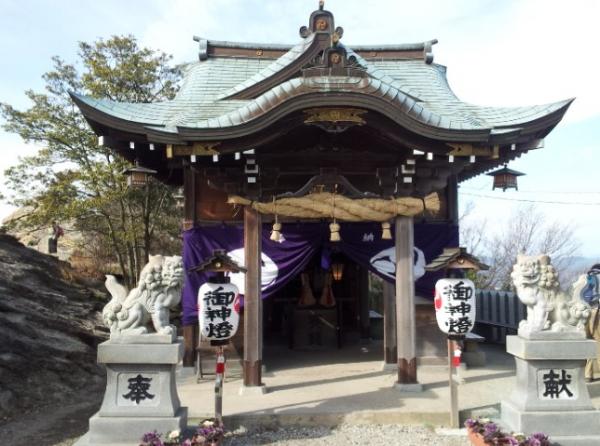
(334, 227)
(276, 232)
(386, 233)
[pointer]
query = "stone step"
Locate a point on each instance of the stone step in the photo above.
(576, 441)
(580, 422)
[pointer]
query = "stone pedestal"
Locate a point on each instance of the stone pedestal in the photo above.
(141, 393)
(550, 394)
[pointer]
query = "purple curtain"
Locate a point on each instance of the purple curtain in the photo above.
(362, 243)
(281, 261)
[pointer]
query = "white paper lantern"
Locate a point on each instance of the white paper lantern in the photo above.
(455, 306)
(218, 310)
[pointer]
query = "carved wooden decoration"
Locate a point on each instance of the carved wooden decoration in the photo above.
(198, 149)
(334, 120)
(465, 149)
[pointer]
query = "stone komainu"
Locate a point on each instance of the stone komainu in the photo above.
(158, 291)
(548, 308)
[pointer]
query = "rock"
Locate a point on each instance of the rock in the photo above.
(6, 399)
(48, 331)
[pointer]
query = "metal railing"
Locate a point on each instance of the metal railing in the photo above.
(498, 314)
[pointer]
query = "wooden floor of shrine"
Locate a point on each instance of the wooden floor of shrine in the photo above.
(348, 385)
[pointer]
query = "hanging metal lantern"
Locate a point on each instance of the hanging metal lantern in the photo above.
(337, 270)
(505, 178)
(138, 176)
(179, 198)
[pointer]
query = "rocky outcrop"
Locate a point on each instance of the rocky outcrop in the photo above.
(50, 325)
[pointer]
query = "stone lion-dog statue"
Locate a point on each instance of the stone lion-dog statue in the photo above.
(550, 311)
(158, 291)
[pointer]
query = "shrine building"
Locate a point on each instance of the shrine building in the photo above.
(315, 165)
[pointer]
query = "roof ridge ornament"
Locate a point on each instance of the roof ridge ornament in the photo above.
(321, 21)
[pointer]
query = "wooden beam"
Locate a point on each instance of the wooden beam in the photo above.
(363, 296)
(189, 200)
(405, 306)
(390, 352)
(190, 332)
(452, 199)
(198, 149)
(253, 331)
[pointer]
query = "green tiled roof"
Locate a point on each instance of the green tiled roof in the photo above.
(419, 91)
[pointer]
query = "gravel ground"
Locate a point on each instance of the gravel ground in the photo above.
(345, 435)
(371, 435)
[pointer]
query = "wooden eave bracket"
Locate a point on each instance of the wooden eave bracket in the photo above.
(466, 149)
(197, 149)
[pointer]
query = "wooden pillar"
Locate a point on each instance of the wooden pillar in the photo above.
(452, 199)
(252, 299)
(363, 308)
(190, 332)
(405, 305)
(189, 197)
(390, 352)
(190, 343)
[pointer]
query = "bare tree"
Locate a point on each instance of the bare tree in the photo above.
(527, 232)
(472, 230)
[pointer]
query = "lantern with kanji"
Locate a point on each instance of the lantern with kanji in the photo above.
(455, 295)
(218, 298)
(455, 306)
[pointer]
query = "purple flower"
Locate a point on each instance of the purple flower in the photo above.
(152, 439)
(210, 431)
(490, 429)
(471, 423)
(538, 439)
(512, 441)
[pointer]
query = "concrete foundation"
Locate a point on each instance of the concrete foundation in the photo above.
(550, 394)
(141, 393)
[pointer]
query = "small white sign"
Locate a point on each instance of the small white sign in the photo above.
(455, 305)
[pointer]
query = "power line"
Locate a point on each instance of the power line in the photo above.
(538, 191)
(574, 203)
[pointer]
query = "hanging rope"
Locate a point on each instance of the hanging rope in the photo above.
(276, 232)
(334, 227)
(328, 205)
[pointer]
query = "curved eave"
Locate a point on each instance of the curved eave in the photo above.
(96, 116)
(299, 94)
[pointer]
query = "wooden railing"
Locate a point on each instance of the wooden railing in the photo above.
(498, 314)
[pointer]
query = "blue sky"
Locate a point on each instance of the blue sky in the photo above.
(517, 52)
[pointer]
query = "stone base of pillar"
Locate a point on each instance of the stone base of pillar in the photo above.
(141, 393)
(253, 390)
(389, 367)
(408, 388)
(550, 394)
